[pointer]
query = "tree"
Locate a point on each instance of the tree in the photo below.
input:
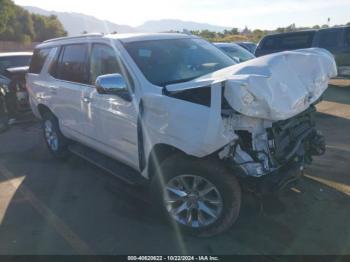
(7, 12)
(17, 24)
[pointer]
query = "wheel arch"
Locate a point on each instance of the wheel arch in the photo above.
(43, 109)
(158, 154)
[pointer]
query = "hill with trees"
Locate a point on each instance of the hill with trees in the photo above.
(235, 35)
(17, 24)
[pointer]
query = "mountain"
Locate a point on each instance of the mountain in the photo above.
(177, 25)
(75, 23)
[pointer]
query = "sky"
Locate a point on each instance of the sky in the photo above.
(263, 14)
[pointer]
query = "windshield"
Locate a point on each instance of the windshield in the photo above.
(237, 52)
(13, 61)
(172, 61)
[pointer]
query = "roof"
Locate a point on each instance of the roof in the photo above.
(294, 32)
(122, 37)
(16, 54)
(148, 36)
(309, 30)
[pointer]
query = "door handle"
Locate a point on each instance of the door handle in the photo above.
(86, 100)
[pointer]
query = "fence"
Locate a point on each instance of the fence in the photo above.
(7, 46)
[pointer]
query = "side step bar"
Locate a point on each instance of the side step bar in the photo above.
(117, 169)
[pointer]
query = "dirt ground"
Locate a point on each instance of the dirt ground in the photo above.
(53, 207)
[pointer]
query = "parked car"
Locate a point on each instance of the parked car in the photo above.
(237, 53)
(13, 95)
(194, 125)
(336, 40)
(250, 46)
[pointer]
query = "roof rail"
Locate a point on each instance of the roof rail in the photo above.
(74, 37)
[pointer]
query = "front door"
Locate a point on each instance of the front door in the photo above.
(111, 120)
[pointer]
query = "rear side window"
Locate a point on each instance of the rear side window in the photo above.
(297, 40)
(347, 36)
(329, 38)
(271, 43)
(38, 60)
(72, 64)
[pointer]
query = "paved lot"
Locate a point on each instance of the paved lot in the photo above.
(72, 207)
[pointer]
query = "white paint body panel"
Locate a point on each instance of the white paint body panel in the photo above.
(279, 87)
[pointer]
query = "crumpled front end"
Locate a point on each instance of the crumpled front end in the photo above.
(257, 116)
(265, 147)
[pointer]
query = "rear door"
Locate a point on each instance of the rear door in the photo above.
(70, 79)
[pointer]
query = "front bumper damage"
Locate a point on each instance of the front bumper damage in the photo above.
(276, 155)
(256, 117)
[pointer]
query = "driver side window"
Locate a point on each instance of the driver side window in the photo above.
(103, 61)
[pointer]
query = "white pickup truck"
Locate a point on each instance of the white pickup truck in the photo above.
(183, 115)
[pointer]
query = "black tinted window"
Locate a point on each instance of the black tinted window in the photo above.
(72, 64)
(288, 41)
(297, 40)
(38, 60)
(347, 37)
(270, 43)
(329, 38)
(103, 61)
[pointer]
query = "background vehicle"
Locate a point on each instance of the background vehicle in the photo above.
(178, 111)
(236, 52)
(13, 94)
(336, 40)
(250, 46)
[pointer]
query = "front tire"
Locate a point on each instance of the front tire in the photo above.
(55, 141)
(200, 196)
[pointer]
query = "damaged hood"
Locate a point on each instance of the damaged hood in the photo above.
(273, 87)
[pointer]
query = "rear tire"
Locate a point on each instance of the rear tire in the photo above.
(191, 208)
(55, 141)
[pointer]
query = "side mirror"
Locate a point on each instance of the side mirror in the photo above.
(113, 84)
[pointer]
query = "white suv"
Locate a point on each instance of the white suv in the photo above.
(183, 115)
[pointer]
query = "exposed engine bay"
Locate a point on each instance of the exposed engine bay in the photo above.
(263, 147)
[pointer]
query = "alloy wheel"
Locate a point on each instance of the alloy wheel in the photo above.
(193, 201)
